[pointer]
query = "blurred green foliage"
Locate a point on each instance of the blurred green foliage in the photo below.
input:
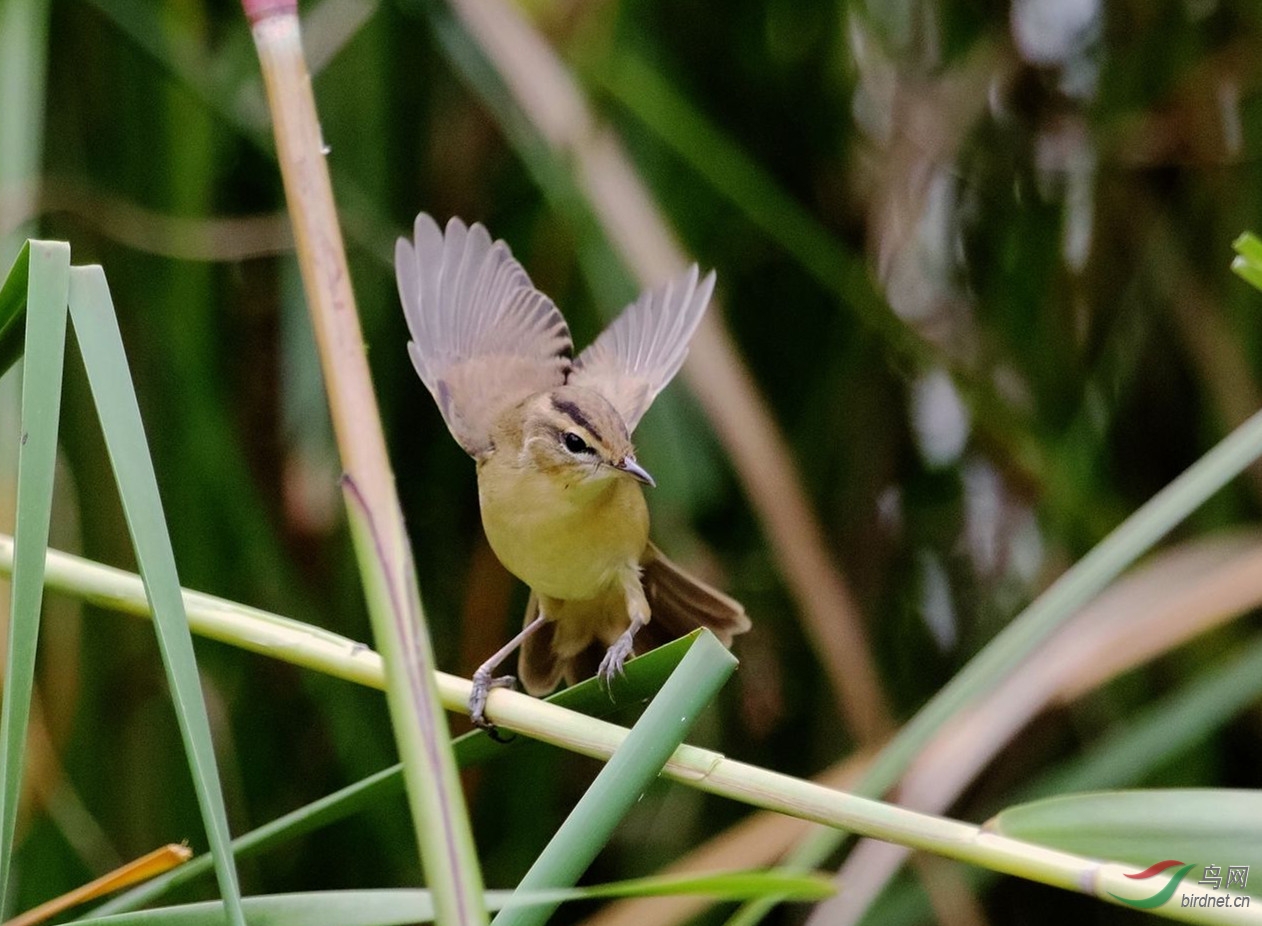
(887, 190)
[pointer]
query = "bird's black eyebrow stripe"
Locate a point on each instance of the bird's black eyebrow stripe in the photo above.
(566, 407)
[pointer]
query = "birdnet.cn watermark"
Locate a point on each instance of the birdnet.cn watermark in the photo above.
(1214, 879)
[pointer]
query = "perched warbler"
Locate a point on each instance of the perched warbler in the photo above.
(560, 490)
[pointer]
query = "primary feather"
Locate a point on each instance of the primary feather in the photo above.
(638, 354)
(483, 338)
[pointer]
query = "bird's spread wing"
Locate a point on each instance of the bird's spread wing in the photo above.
(483, 338)
(636, 356)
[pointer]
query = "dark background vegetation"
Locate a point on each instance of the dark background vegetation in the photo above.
(1047, 205)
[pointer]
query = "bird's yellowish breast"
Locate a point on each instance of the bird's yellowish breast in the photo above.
(564, 536)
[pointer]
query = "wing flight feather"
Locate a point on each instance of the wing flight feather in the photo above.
(483, 338)
(642, 349)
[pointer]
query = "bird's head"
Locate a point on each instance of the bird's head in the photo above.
(574, 431)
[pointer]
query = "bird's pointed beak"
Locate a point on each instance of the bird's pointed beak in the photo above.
(632, 468)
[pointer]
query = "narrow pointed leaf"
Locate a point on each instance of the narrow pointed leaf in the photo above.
(46, 269)
(626, 775)
(96, 328)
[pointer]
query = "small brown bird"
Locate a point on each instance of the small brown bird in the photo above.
(560, 490)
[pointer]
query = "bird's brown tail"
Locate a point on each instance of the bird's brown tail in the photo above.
(678, 602)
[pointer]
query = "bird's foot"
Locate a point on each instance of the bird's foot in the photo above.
(483, 682)
(615, 659)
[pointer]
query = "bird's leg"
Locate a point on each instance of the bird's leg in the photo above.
(484, 678)
(638, 610)
(616, 656)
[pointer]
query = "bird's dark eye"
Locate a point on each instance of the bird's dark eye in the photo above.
(575, 444)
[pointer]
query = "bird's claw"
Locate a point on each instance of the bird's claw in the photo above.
(483, 682)
(613, 665)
